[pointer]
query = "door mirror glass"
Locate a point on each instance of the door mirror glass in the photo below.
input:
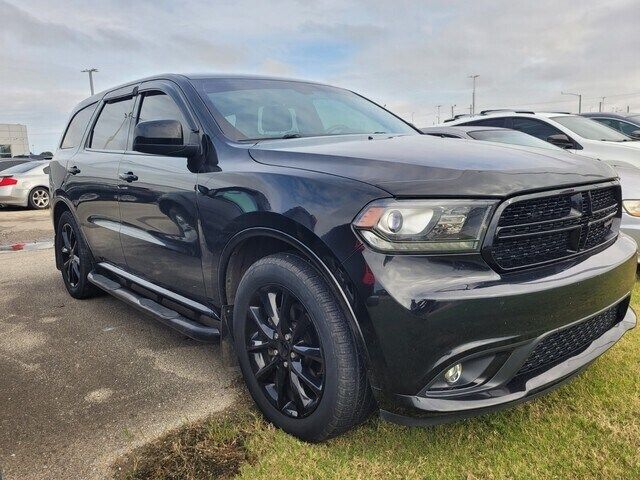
(560, 140)
(161, 137)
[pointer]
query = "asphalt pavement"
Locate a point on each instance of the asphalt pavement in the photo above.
(82, 382)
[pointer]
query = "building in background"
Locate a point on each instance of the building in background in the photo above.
(13, 140)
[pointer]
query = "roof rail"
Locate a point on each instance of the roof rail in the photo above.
(564, 113)
(486, 112)
(456, 117)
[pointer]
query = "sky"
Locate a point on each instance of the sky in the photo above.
(408, 55)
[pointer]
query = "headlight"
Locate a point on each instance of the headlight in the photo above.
(632, 207)
(424, 226)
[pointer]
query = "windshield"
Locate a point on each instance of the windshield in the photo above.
(590, 129)
(23, 167)
(249, 109)
(511, 137)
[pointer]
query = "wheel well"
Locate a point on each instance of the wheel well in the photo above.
(58, 210)
(245, 254)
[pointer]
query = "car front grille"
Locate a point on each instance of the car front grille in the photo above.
(570, 341)
(541, 229)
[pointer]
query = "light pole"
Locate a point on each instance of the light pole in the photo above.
(473, 94)
(90, 72)
(453, 114)
(601, 104)
(438, 107)
(579, 95)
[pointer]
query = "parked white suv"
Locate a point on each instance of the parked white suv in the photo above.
(571, 132)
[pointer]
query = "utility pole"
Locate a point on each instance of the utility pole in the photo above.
(438, 107)
(452, 112)
(473, 94)
(579, 95)
(601, 104)
(90, 72)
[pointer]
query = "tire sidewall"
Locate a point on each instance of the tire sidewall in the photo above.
(273, 274)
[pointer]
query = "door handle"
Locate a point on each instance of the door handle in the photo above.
(128, 177)
(74, 170)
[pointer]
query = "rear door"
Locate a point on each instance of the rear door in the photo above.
(160, 233)
(92, 185)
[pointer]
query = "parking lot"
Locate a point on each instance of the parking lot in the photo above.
(82, 382)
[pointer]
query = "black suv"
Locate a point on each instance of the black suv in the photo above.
(347, 261)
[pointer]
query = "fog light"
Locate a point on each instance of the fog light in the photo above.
(453, 374)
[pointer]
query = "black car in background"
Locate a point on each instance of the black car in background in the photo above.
(347, 261)
(629, 123)
(12, 162)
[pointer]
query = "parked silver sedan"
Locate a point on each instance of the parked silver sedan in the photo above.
(25, 185)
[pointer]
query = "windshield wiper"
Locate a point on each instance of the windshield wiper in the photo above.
(291, 135)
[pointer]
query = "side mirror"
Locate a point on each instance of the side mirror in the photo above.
(162, 137)
(635, 134)
(560, 140)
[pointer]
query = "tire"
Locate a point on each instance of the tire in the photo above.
(75, 258)
(39, 198)
(324, 390)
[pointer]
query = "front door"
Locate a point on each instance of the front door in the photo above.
(159, 229)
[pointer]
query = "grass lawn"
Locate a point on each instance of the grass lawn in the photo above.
(589, 428)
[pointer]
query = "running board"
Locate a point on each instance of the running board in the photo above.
(169, 317)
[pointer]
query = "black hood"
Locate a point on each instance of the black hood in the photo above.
(423, 165)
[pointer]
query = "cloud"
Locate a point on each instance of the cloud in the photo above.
(409, 55)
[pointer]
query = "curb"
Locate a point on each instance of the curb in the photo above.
(20, 246)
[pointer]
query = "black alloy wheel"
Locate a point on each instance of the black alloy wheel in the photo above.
(69, 255)
(298, 354)
(74, 258)
(285, 351)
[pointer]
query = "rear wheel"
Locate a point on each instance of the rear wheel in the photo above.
(39, 198)
(297, 352)
(75, 258)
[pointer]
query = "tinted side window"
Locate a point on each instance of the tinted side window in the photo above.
(489, 122)
(76, 127)
(621, 126)
(158, 106)
(533, 127)
(111, 128)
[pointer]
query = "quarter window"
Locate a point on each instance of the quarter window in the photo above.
(111, 128)
(76, 128)
(489, 122)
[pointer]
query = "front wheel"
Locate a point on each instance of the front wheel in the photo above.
(298, 355)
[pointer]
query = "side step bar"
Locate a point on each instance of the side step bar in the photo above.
(169, 317)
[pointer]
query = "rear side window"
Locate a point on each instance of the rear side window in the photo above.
(76, 127)
(536, 128)
(489, 122)
(111, 128)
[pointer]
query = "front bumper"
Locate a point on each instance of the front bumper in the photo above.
(421, 314)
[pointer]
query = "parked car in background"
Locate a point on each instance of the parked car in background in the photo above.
(628, 124)
(12, 162)
(25, 185)
(630, 181)
(490, 134)
(629, 175)
(571, 132)
(352, 262)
